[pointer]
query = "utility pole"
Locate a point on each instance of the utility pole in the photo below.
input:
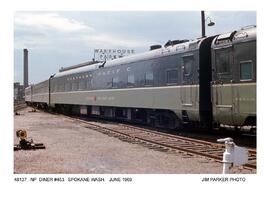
(203, 20)
(203, 23)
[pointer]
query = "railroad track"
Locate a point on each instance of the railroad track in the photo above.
(165, 142)
(18, 107)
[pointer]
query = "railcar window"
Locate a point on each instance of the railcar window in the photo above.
(61, 87)
(223, 60)
(131, 80)
(149, 78)
(246, 70)
(55, 88)
(82, 85)
(115, 81)
(188, 65)
(89, 83)
(172, 76)
(74, 86)
(67, 86)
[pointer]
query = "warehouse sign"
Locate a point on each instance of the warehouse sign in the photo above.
(110, 54)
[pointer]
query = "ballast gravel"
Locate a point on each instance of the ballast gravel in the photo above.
(72, 148)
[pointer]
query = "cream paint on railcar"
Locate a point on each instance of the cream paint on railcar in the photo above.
(174, 98)
(233, 103)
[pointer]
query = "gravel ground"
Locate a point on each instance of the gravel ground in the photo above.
(72, 148)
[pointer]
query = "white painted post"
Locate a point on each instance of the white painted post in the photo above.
(233, 155)
(227, 155)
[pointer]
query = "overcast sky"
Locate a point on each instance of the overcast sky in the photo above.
(59, 39)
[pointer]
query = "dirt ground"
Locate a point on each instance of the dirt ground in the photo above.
(72, 148)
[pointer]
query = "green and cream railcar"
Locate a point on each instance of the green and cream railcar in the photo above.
(234, 77)
(162, 84)
(200, 82)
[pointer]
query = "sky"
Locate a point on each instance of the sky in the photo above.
(60, 39)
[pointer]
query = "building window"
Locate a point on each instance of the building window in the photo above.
(172, 76)
(131, 79)
(223, 60)
(149, 78)
(246, 70)
(115, 81)
(188, 65)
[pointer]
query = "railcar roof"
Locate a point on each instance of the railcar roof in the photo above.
(243, 35)
(40, 83)
(163, 51)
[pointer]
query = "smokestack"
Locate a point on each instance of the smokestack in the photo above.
(25, 68)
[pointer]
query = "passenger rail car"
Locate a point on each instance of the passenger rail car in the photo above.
(234, 77)
(199, 82)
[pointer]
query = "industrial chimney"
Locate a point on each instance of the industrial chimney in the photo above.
(25, 68)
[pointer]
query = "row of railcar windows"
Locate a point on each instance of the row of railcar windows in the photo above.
(224, 64)
(39, 90)
(87, 84)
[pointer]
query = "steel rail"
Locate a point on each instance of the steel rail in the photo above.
(183, 144)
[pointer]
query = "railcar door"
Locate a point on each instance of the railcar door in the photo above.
(188, 90)
(222, 85)
(187, 75)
